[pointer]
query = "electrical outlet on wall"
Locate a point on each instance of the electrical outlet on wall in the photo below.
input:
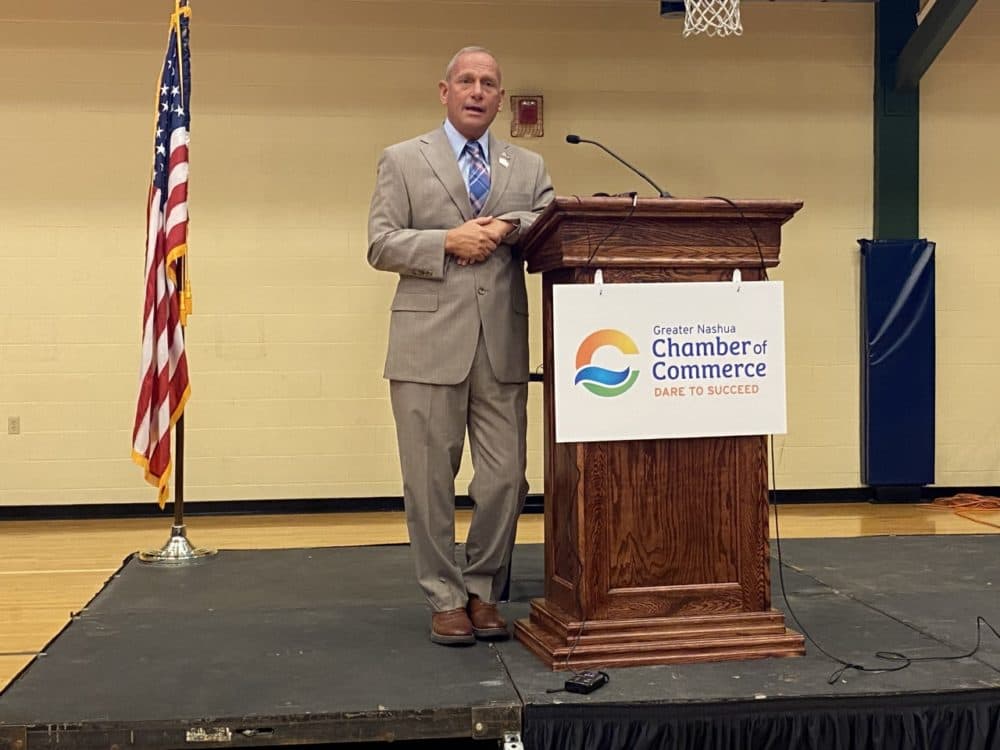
(13, 425)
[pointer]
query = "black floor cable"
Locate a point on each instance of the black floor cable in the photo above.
(901, 661)
(897, 661)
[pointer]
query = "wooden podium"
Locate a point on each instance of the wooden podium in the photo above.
(656, 551)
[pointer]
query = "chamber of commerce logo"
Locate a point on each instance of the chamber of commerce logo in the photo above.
(600, 380)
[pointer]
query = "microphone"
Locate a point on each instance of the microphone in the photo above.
(574, 139)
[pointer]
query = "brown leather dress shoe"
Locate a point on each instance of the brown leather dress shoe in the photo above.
(486, 620)
(452, 628)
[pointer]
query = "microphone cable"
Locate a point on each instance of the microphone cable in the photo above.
(612, 231)
(579, 608)
(898, 660)
(576, 556)
(749, 226)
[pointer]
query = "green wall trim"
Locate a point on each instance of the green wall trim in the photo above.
(938, 26)
(896, 192)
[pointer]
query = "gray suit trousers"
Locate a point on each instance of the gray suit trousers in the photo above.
(431, 422)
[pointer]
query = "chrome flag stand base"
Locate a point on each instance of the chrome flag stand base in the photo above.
(177, 551)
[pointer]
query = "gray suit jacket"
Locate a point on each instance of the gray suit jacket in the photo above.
(439, 305)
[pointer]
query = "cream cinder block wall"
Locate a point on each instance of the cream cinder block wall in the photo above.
(292, 103)
(960, 164)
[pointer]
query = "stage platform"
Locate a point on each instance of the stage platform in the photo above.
(303, 647)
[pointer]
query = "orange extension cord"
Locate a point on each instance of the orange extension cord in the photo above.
(965, 503)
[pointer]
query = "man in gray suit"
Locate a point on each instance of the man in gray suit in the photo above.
(447, 211)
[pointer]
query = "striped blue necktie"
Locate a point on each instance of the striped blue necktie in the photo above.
(479, 176)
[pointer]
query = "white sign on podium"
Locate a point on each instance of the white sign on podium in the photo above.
(670, 360)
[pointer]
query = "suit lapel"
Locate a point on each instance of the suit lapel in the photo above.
(441, 159)
(501, 163)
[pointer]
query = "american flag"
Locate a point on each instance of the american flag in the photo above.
(164, 386)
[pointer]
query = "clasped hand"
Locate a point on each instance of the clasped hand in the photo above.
(475, 240)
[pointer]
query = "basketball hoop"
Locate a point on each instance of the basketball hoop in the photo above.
(712, 17)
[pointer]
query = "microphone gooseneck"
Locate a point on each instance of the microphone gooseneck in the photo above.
(574, 139)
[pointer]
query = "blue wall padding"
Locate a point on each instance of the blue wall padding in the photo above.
(897, 362)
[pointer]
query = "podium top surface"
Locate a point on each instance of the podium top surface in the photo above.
(665, 208)
(688, 230)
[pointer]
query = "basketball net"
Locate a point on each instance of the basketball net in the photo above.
(712, 17)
